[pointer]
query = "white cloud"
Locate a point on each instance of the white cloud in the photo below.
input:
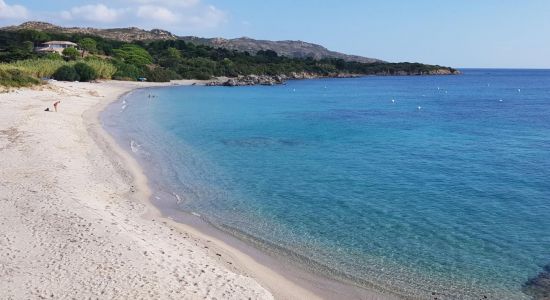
(12, 11)
(194, 18)
(156, 13)
(181, 3)
(93, 13)
(176, 15)
(210, 18)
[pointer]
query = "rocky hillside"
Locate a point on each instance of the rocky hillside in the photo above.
(121, 34)
(295, 49)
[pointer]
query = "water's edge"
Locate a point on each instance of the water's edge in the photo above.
(319, 279)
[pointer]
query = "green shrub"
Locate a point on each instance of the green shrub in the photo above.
(133, 55)
(16, 78)
(160, 75)
(36, 67)
(71, 53)
(200, 75)
(121, 78)
(88, 44)
(104, 68)
(53, 56)
(85, 72)
(66, 73)
(126, 71)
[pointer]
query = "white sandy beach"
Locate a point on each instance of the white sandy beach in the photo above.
(75, 221)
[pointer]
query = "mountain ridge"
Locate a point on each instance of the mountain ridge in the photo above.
(289, 48)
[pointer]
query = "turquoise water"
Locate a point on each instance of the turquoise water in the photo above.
(410, 184)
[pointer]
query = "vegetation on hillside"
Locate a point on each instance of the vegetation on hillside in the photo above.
(168, 59)
(16, 78)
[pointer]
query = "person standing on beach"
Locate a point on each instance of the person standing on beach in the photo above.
(55, 105)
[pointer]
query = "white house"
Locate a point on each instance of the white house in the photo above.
(55, 46)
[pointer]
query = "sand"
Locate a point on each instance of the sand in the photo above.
(75, 221)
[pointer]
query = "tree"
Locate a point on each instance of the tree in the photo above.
(66, 73)
(126, 71)
(134, 55)
(28, 45)
(53, 56)
(88, 44)
(159, 74)
(34, 36)
(267, 53)
(85, 72)
(171, 58)
(71, 53)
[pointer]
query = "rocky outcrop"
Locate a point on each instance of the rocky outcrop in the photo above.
(281, 79)
(120, 34)
(295, 49)
(539, 287)
(437, 71)
(443, 71)
(249, 80)
(272, 80)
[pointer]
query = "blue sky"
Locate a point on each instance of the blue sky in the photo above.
(466, 33)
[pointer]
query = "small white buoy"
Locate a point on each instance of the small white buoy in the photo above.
(500, 100)
(420, 107)
(519, 90)
(392, 100)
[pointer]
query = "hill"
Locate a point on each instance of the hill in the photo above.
(158, 55)
(292, 49)
(129, 34)
(295, 49)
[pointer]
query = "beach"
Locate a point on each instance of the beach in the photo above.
(75, 221)
(84, 216)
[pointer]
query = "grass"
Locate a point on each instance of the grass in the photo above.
(35, 67)
(16, 78)
(103, 68)
(27, 72)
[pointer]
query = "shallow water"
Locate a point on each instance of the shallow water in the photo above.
(418, 185)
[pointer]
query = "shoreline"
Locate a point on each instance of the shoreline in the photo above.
(73, 220)
(237, 260)
(283, 279)
(75, 208)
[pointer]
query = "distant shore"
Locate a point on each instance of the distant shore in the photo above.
(247, 80)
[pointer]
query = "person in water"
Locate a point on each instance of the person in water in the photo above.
(55, 105)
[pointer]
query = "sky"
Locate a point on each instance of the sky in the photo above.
(461, 34)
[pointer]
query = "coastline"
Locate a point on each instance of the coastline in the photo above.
(282, 278)
(77, 221)
(71, 223)
(280, 287)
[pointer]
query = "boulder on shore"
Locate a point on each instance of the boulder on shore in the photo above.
(538, 287)
(250, 80)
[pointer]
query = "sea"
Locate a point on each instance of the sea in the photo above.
(420, 186)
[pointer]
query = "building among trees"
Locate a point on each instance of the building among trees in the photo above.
(55, 46)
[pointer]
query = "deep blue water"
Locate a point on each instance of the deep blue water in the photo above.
(445, 189)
